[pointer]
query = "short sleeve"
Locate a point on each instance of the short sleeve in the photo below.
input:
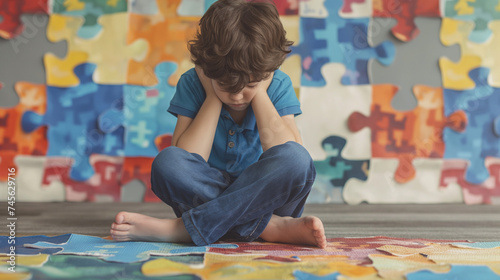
(282, 94)
(189, 95)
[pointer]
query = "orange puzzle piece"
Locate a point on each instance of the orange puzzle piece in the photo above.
(409, 134)
(167, 35)
(13, 140)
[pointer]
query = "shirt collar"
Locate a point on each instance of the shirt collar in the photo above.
(249, 121)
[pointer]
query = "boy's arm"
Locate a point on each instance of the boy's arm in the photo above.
(273, 129)
(197, 135)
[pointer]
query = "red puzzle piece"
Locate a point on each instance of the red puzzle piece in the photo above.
(287, 7)
(104, 183)
(405, 11)
(410, 134)
(454, 172)
(111, 174)
(139, 168)
(11, 10)
(13, 140)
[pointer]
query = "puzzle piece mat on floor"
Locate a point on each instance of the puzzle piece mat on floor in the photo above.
(74, 256)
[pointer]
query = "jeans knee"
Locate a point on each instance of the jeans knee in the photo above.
(298, 160)
(165, 166)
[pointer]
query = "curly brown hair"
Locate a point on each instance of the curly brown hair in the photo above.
(239, 42)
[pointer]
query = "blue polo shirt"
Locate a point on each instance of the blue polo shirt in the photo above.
(235, 146)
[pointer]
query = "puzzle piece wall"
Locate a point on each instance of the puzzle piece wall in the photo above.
(399, 98)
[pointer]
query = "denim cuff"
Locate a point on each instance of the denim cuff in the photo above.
(192, 230)
(261, 226)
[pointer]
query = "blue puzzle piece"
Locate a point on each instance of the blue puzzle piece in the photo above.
(337, 39)
(457, 272)
(20, 241)
(353, 39)
(300, 275)
(338, 169)
(144, 115)
(335, 170)
(124, 252)
(480, 139)
(71, 118)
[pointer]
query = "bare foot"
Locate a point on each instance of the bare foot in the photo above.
(138, 227)
(306, 230)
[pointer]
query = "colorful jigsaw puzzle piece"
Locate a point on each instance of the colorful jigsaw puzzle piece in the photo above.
(108, 50)
(29, 175)
(71, 118)
(357, 52)
(10, 15)
(103, 186)
(480, 12)
(13, 140)
(336, 170)
(336, 39)
(486, 193)
(144, 114)
(343, 169)
(407, 135)
(480, 139)
(171, 46)
(405, 12)
(124, 252)
(21, 240)
(473, 54)
(90, 10)
(139, 168)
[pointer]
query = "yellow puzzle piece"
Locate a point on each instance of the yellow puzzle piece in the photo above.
(455, 75)
(108, 50)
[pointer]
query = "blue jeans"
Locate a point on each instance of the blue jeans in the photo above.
(212, 204)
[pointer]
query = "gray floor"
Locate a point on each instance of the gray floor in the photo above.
(455, 221)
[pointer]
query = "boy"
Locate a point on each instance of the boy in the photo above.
(236, 167)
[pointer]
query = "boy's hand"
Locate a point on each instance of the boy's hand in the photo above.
(206, 82)
(264, 84)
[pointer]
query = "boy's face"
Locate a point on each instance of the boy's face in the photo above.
(237, 101)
